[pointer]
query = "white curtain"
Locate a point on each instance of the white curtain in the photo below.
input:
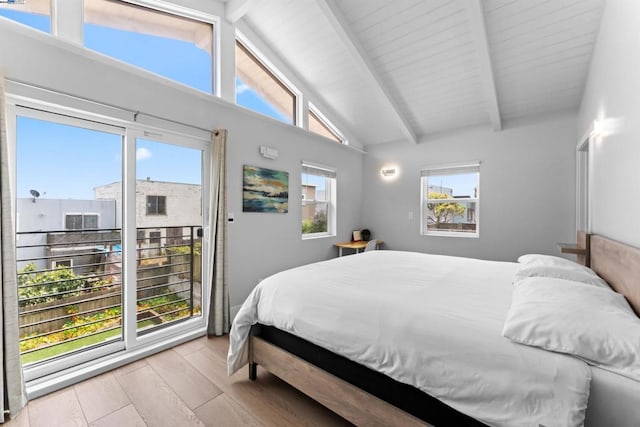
(219, 321)
(13, 391)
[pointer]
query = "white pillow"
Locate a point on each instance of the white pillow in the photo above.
(582, 276)
(531, 260)
(550, 260)
(592, 323)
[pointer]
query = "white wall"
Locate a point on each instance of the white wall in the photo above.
(612, 95)
(260, 244)
(527, 195)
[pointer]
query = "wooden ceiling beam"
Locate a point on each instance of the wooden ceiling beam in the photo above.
(479, 35)
(357, 52)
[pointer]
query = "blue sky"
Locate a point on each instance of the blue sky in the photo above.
(462, 185)
(91, 158)
(95, 156)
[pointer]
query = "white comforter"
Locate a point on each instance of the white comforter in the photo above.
(431, 321)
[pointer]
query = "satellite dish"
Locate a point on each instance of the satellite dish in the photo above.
(35, 194)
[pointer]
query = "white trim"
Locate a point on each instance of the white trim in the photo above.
(59, 372)
(110, 361)
(259, 56)
(449, 169)
(196, 15)
(312, 109)
(584, 183)
(467, 235)
(46, 104)
(320, 166)
(60, 116)
(331, 195)
(176, 9)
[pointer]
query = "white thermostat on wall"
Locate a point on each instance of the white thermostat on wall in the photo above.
(268, 152)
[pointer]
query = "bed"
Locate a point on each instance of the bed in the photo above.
(457, 374)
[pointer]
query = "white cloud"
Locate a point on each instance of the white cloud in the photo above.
(241, 87)
(143, 153)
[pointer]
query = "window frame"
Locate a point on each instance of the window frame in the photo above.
(18, 9)
(60, 262)
(82, 216)
(449, 169)
(181, 12)
(275, 73)
(42, 104)
(331, 182)
(157, 199)
(155, 237)
(326, 124)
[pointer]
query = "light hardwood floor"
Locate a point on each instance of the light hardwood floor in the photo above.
(185, 386)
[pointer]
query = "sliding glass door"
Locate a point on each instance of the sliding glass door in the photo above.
(68, 237)
(109, 237)
(168, 234)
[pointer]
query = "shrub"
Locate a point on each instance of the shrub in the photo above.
(39, 287)
(316, 225)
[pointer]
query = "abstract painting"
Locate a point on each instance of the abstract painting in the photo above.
(264, 190)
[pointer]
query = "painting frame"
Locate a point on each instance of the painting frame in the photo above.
(264, 190)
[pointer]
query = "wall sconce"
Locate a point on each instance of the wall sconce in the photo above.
(598, 128)
(388, 172)
(268, 152)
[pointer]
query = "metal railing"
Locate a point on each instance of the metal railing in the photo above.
(70, 286)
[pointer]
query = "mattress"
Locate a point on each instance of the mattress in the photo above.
(433, 322)
(614, 400)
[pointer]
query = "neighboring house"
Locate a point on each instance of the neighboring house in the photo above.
(164, 210)
(43, 225)
(469, 215)
(308, 193)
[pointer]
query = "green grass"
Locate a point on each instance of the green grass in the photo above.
(67, 347)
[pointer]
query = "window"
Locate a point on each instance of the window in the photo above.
(172, 46)
(154, 237)
(34, 13)
(320, 125)
(258, 88)
(66, 263)
(450, 199)
(318, 201)
(112, 278)
(156, 205)
(80, 221)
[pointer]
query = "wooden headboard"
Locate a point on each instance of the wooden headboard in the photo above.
(619, 265)
(583, 242)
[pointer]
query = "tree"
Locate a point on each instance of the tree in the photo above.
(440, 213)
(317, 225)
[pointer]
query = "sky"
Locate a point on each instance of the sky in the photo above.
(92, 158)
(462, 184)
(96, 157)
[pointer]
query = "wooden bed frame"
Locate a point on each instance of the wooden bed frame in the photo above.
(617, 263)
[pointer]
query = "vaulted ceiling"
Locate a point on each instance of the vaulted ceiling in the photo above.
(406, 69)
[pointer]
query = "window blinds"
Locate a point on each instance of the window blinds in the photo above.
(319, 170)
(450, 169)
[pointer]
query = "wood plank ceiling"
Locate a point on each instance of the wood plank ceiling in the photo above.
(396, 70)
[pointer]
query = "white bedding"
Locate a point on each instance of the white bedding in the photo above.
(614, 400)
(430, 321)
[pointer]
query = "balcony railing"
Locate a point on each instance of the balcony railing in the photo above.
(70, 286)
